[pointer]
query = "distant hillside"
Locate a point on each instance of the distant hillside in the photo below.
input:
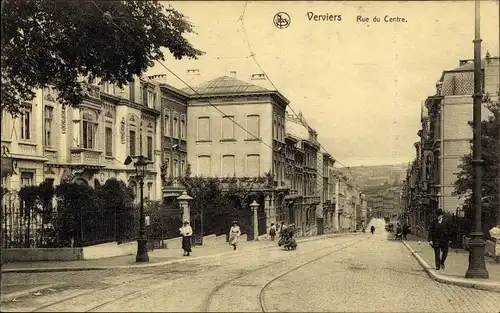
(378, 176)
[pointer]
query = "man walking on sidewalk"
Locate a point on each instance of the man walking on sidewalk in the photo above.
(439, 238)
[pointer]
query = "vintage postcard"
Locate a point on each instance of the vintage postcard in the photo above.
(250, 156)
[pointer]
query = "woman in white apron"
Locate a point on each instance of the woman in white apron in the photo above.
(234, 234)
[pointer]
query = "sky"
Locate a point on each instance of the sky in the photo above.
(360, 85)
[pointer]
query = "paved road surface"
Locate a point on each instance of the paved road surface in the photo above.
(354, 273)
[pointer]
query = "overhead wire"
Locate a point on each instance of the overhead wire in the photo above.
(252, 55)
(185, 83)
(241, 19)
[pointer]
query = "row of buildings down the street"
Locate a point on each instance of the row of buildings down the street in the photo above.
(444, 138)
(174, 128)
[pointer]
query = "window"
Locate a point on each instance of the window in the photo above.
(131, 146)
(131, 89)
(144, 95)
(253, 126)
(150, 148)
(150, 189)
(133, 186)
(227, 127)
(49, 111)
(89, 130)
(176, 127)
(109, 140)
(275, 129)
(183, 127)
(151, 98)
(183, 167)
(108, 88)
(228, 166)
(253, 165)
(141, 151)
(27, 179)
(204, 128)
(6, 126)
(166, 123)
(26, 124)
(204, 165)
(176, 168)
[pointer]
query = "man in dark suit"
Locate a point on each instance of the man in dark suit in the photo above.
(439, 238)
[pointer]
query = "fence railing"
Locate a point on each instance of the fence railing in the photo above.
(24, 227)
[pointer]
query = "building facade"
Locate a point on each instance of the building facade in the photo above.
(445, 137)
(218, 147)
(304, 197)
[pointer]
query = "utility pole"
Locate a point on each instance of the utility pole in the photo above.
(477, 266)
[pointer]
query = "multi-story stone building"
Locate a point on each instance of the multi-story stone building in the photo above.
(304, 196)
(328, 197)
(173, 136)
(246, 140)
(88, 143)
(445, 129)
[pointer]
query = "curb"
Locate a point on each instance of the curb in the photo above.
(11, 296)
(147, 265)
(445, 279)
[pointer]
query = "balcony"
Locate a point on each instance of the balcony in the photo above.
(27, 148)
(87, 157)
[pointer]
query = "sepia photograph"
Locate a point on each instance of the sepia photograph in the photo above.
(250, 156)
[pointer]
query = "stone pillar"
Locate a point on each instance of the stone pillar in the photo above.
(184, 204)
(267, 209)
(255, 206)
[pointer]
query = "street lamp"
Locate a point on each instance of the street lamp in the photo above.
(141, 169)
(255, 206)
(477, 265)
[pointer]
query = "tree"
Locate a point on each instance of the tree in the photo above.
(219, 200)
(116, 211)
(491, 169)
(56, 42)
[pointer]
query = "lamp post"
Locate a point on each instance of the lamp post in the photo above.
(477, 266)
(254, 206)
(141, 166)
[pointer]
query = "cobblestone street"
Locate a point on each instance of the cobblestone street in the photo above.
(351, 273)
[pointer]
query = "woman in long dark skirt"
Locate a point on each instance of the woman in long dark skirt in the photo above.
(186, 233)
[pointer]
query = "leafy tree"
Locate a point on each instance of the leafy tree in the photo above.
(491, 169)
(73, 200)
(62, 41)
(116, 210)
(219, 200)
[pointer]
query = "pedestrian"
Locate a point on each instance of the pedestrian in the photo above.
(405, 231)
(372, 229)
(186, 233)
(272, 231)
(439, 238)
(234, 234)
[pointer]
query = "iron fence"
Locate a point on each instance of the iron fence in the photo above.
(24, 227)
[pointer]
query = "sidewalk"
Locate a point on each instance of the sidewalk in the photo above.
(456, 266)
(156, 258)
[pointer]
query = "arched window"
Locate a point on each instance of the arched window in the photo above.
(89, 131)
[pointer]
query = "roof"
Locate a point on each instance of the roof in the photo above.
(225, 85)
(469, 66)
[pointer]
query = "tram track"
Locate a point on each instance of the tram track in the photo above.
(151, 286)
(217, 290)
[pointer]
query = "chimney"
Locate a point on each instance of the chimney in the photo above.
(232, 74)
(193, 72)
(258, 77)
